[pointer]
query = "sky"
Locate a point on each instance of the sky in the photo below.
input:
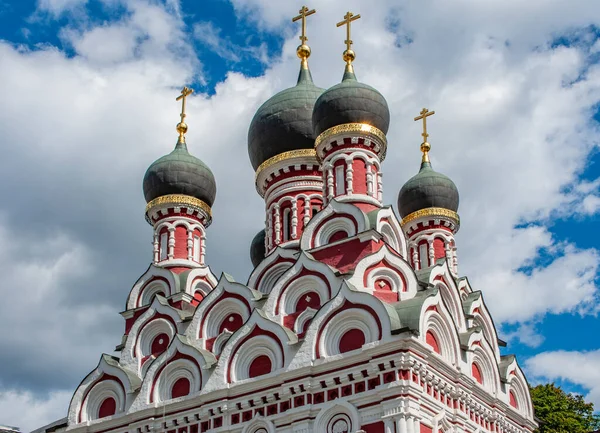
(87, 102)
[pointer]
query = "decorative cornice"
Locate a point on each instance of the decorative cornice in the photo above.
(179, 200)
(362, 128)
(299, 153)
(431, 212)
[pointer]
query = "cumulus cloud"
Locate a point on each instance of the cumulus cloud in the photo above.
(579, 368)
(513, 129)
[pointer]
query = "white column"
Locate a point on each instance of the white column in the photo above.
(190, 244)
(417, 425)
(329, 183)
(455, 261)
(155, 248)
(349, 175)
(306, 211)
(294, 218)
(277, 218)
(269, 228)
(370, 186)
(415, 257)
(171, 252)
(431, 253)
(380, 186)
(402, 425)
(388, 425)
(202, 248)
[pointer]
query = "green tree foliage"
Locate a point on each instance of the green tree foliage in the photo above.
(560, 412)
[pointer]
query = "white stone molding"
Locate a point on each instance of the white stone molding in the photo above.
(389, 226)
(277, 224)
(436, 317)
(266, 274)
(100, 392)
(334, 411)
(294, 279)
(171, 373)
(304, 317)
(483, 356)
(146, 335)
(329, 213)
(400, 275)
(154, 273)
(482, 318)
(259, 425)
(85, 404)
(441, 277)
(342, 322)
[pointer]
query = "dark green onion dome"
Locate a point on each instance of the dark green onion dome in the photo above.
(180, 173)
(426, 189)
(350, 102)
(257, 248)
(284, 122)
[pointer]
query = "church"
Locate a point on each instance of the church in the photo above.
(355, 317)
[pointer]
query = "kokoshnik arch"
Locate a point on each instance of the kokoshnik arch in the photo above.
(353, 320)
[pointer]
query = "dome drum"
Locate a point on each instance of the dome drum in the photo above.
(171, 204)
(352, 135)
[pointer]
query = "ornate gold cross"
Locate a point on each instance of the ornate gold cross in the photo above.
(424, 114)
(304, 12)
(348, 18)
(181, 126)
(425, 146)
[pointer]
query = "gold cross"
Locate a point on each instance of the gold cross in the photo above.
(348, 18)
(424, 114)
(304, 12)
(425, 146)
(181, 126)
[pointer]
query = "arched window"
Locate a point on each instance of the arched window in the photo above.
(107, 408)
(180, 388)
(476, 373)
(432, 341)
(352, 340)
(287, 224)
(260, 366)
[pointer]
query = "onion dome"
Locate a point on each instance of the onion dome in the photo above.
(350, 102)
(427, 189)
(257, 248)
(284, 122)
(179, 172)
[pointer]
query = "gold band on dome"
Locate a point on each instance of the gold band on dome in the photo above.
(179, 200)
(299, 153)
(353, 127)
(430, 211)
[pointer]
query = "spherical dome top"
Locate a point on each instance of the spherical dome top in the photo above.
(426, 189)
(180, 173)
(257, 248)
(350, 102)
(284, 122)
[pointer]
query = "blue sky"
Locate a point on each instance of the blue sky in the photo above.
(515, 88)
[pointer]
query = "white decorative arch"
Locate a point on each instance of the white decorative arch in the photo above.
(335, 225)
(306, 273)
(482, 355)
(202, 280)
(325, 420)
(393, 235)
(145, 328)
(100, 392)
(225, 308)
(121, 384)
(171, 373)
(342, 322)
(154, 273)
(441, 277)
(399, 274)
(259, 345)
(436, 317)
(147, 335)
(481, 317)
(322, 225)
(260, 425)
(266, 274)
(515, 381)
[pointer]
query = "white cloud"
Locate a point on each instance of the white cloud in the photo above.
(579, 368)
(58, 7)
(512, 129)
(17, 408)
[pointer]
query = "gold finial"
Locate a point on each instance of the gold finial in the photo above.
(425, 146)
(348, 55)
(303, 49)
(182, 126)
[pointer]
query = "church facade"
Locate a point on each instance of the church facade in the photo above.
(354, 318)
